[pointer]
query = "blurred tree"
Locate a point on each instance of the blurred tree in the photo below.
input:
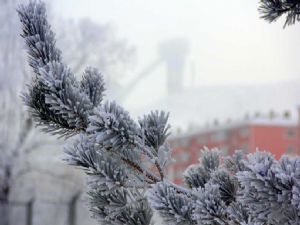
(95, 45)
(10, 46)
(271, 10)
(17, 138)
(14, 125)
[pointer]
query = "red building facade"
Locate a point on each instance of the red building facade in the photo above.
(278, 136)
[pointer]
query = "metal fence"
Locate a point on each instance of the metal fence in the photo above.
(41, 212)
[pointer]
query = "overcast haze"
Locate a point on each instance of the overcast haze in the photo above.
(228, 42)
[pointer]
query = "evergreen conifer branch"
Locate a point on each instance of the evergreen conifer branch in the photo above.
(54, 97)
(271, 10)
(125, 161)
(92, 84)
(110, 147)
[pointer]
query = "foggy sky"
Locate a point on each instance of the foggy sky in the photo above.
(229, 43)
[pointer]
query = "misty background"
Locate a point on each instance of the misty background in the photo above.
(229, 47)
(202, 61)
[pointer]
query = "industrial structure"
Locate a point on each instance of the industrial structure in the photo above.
(172, 54)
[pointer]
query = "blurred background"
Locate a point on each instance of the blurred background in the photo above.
(229, 80)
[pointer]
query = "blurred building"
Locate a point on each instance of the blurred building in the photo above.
(271, 133)
(46, 191)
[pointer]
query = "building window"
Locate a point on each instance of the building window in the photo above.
(291, 150)
(171, 173)
(201, 140)
(291, 133)
(180, 143)
(225, 149)
(174, 143)
(184, 142)
(178, 174)
(245, 148)
(219, 136)
(182, 157)
(244, 132)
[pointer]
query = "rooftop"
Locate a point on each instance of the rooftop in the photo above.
(265, 121)
(202, 105)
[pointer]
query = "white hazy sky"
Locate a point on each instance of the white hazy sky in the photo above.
(228, 41)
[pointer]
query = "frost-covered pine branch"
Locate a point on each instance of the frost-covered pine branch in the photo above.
(99, 46)
(121, 157)
(125, 160)
(238, 190)
(211, 190)
(271, 10)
